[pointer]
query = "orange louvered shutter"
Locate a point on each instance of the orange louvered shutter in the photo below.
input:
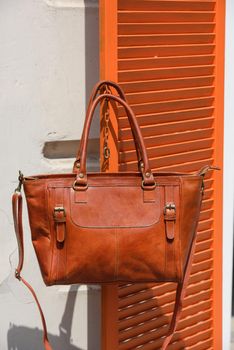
(168, 56)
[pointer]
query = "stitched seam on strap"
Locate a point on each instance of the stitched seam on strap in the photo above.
(116, 254)
(180, 232)
(174, 228)
(52, 237)
(66, 195)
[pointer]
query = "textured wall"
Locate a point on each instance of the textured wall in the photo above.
(48, 62)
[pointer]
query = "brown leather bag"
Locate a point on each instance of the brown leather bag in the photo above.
(126, 227)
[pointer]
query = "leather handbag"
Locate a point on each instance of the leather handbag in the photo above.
(128, 227)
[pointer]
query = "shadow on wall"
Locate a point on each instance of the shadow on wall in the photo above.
(24, 338)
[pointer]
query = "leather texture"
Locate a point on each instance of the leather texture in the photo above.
(112, 227)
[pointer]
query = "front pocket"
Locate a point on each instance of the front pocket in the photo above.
(114, 206)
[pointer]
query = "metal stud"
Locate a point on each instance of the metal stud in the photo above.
(147, 174)
(81, 175)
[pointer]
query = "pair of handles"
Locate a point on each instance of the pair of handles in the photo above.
(81, 181)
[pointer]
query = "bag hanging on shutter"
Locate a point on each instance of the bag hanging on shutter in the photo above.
(130, 227)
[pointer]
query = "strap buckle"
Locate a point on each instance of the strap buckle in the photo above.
(17, 275)
(170, 206)
(20, 179)
(58, 210)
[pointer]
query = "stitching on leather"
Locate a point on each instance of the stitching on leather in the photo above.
(116, 254)
(65, 241)
(177, 236)
(49, 194)
(60, 252)
(57, 253)
(170, 247)
(180, 275)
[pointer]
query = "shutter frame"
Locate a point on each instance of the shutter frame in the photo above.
(206, 146)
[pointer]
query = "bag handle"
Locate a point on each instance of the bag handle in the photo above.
(148, 181)
(105, 84)
(108, 83)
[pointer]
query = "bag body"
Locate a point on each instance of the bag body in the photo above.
(115, 230)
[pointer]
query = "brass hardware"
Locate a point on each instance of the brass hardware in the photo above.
(147, 174)
(106, 89)
(169, 206)
(17, 275)
(20, 179)
(81, 175)
(106, 152)
(79, 187)
(148, 187)
(106, 149)
(78, 165)
(59, 210)
(203, 187)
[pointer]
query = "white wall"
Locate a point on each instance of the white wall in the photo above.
(228, 175)
(48, 62)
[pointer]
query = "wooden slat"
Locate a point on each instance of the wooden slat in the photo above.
(166, 117)
(126, 145)
(164, 16)
(172, 94)
(165, 28)
(165, 50)
(155, 85)
(149, 74)
(168, 128)
(152, 5)
(158, 151)
(156, 62)
(182, 104)
(156, 39)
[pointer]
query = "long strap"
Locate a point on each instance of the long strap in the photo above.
(180, 292)
(17, 216)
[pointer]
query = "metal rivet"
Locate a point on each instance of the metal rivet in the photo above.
(147, 174)
(78, 165)
(81, 175)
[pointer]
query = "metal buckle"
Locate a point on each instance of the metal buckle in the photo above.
(59, 210)
(148, 187)
(17, 275)
(169, 206)
(20, 179)
(78, 187)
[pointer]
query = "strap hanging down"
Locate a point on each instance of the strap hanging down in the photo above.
(180, 292)
(17, 216)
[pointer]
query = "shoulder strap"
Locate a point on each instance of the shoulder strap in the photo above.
(18, 225)
(17, 216)
(180, 294)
